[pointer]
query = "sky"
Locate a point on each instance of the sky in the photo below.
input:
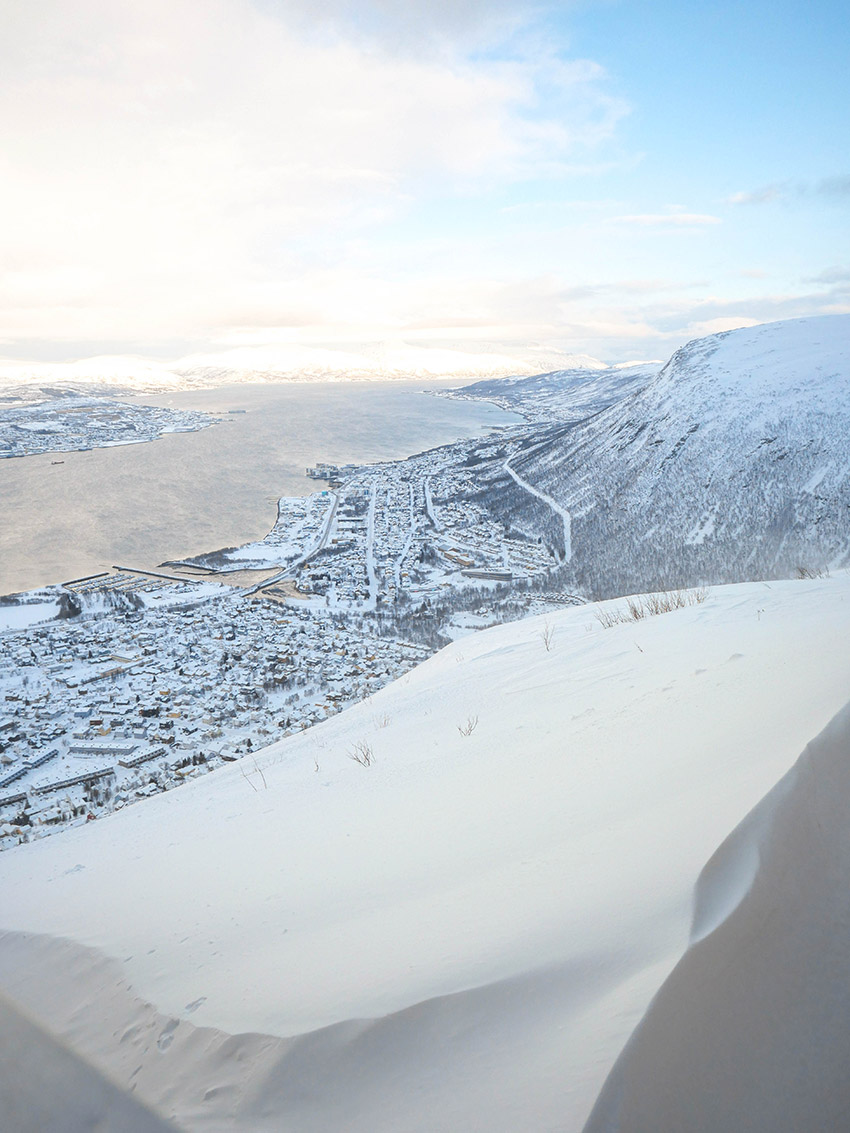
(612, 177)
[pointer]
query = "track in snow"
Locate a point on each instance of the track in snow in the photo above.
(553, 504)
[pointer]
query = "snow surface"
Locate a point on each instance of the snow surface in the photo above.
(462, 934)
(41, 606)
(750, 1029)
(47, 1088)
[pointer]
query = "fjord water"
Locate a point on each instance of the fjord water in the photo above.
(137, 505)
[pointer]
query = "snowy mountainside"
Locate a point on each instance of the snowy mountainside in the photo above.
(565, 395)
(733, 463)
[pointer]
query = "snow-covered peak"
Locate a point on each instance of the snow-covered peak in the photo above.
(804, 361)
(634, 362)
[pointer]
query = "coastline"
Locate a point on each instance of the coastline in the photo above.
(198, 491)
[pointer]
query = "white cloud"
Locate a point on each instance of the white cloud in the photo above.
(832, 275)
(415, 25)
(716, 326)
(835, 189)
(167, 165)
(196, 174)
(761, 196)
(668, 220)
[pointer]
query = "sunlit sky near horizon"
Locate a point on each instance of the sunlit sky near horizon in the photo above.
(611, 177)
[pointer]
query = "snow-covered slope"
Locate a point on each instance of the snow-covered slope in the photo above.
(750, 1029)
(566, 395)
(46, 1088)
(461, 929)
(121, 371)
(733, 463)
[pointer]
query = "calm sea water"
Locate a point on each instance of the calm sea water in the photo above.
(185, 493)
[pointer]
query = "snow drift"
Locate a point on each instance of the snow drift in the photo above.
(46, 1088)
(462, 934)
(750, 1029)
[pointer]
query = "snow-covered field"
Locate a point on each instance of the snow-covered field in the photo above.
(43, 606)
(448, 907)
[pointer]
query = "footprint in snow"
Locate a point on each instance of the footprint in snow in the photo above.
(195, 1004)
(166, 1038)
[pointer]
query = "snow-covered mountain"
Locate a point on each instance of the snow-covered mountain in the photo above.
(461, 934)
(385, 361)
(733, 463)
(569, 395)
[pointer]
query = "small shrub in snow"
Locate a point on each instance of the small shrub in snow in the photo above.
(812, 572)
(469, 727)
(362, 753)
(258, 770)
(647, 605)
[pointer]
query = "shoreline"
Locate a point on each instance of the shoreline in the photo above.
(202, 490)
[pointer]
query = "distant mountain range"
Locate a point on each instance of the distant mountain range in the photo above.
(284, 363)
(732, 463)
